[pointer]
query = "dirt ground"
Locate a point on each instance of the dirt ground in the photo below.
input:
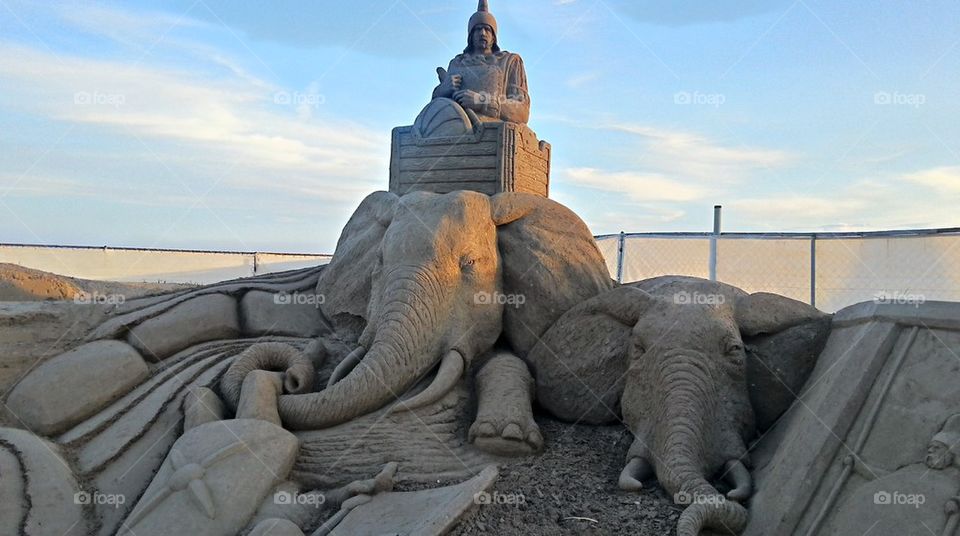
(571, 489)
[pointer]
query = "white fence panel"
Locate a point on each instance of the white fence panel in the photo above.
(765, 265)
(832, 270)
(143, 265)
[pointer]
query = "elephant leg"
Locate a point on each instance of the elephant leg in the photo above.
(638, 467)
(505, 424)
(737, 475)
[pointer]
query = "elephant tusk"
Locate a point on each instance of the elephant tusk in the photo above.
(451, 369)
(348, 364)
(739, 477)
(636, 471)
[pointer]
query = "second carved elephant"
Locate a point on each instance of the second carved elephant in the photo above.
(684, 362)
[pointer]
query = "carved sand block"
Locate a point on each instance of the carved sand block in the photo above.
(421, 513)
(865, 446)
(75, 385)
(38, 491)
(214, 479)
(496, 157)
(200, 319)
(276, 527)
(281, 313)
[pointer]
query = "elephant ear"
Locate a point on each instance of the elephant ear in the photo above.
(580, 364)
(783, 338)
(550, 258)
(345, 283)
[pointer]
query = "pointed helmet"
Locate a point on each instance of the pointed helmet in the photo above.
(482, 16)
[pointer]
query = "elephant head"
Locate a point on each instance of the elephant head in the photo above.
(439, 279)
(672, 353)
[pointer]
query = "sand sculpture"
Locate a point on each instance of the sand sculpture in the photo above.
(450, 311)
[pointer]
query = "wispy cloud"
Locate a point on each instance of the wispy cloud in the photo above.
(890, 202)
(691, 155)
(942, 179)
(646, 188)
(261, 128)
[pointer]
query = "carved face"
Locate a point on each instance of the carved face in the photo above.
(938, 456)
(483, 39)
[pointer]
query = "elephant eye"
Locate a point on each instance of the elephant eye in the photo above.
(734, 347)
(467, 262)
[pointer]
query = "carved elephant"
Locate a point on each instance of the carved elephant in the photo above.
(441, 280)
(670, 356)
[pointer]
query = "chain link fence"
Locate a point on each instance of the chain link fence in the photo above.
(153, 265)
(829, 270)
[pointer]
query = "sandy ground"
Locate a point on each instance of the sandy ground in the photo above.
(44, 314)
(21, 284)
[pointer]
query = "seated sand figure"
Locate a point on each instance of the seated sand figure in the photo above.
(474, 133)
(483, 84)
(908, 500)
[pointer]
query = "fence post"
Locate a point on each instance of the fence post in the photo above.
(717, 210)
(813, 270)
(620, 248)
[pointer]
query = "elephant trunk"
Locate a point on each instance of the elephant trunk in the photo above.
(688, 404)
(403, 350)
(296, 366)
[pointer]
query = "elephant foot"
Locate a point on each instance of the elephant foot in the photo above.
(504, 425)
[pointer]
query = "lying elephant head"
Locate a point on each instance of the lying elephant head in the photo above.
(439, 279)
(672, 353)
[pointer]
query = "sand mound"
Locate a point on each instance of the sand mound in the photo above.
(18, 283)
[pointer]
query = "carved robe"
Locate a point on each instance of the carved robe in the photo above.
(500, 79)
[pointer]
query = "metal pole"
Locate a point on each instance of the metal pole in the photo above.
(623, 237)
(717, 210)
(813, 270)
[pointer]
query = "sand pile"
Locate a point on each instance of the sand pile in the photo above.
(18, 283)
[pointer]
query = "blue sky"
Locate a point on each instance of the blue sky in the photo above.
(219, 124)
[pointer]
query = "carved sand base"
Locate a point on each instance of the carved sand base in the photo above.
(113, 406)
(430, 445)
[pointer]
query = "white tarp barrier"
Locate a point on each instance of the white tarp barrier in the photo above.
(142, 265)
(896, 267)
(763, 265)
